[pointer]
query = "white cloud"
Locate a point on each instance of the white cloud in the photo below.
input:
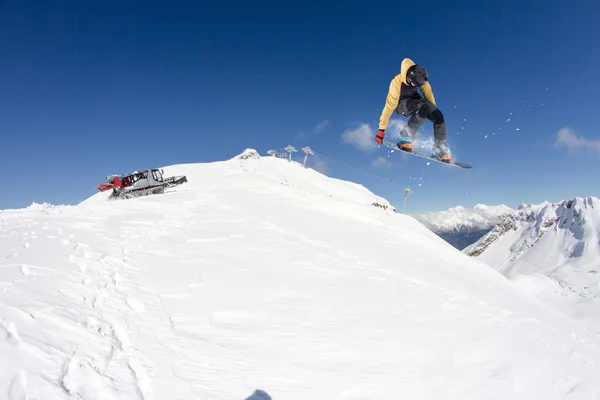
(395, 125)
(321, 126)
(566, 137)
(363, 138)
(381, 162)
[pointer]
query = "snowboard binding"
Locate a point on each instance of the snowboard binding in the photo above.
(405, 144)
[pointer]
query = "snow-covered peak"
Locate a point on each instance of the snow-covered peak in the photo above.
(461, 218)
(248, 154)
(559, 242)
(533, 207)
(493, 213)
(269, 278)
(534, 220)
(499, 209)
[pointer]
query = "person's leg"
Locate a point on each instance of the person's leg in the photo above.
(439, 125)
(440, 149)
(413, 108)
(420, 110)
(427, 110)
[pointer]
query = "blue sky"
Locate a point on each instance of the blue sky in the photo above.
(88, 91)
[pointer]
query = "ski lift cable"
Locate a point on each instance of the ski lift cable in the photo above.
(355, 168)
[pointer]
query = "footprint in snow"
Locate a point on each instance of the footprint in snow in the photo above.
(99, 299)
(70, 379)
(136, 305)
(68, 239)
(117, 280)
(82, 266)
(80, 246)
(25, 270)
(10, 329)
(18, 387)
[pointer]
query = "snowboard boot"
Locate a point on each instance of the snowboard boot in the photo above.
(405, 142)
(441, 152)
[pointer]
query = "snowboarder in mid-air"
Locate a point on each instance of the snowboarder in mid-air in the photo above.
(404, 98)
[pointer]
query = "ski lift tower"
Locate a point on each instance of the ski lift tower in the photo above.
(290, 149)
(407, 192)
(308, 151)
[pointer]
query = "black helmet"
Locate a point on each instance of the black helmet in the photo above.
(416, 75)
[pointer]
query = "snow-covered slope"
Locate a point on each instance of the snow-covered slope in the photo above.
(260, 276)
(553, 250)
(461, 226)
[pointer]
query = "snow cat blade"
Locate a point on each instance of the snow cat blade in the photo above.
(175, 180)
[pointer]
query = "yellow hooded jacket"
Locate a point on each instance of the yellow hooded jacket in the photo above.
(393, 96)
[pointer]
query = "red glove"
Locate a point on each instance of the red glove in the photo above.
(380, 136)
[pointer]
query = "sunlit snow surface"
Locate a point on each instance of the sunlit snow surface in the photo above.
(262, 279)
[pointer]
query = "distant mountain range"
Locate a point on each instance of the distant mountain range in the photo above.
(552, 250)
(461, 226)
(547, 234)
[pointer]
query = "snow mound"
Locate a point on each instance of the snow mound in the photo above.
(270, 280)
(248, 154)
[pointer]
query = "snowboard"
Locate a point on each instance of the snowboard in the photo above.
(452, 163)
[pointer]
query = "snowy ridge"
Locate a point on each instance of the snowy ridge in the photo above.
(462, 226)
(556, 243)
(530, 207)
(460, 218)
(248, 154)
(261, 276)
(576, 221)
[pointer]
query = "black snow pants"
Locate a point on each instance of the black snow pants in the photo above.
(419, 110)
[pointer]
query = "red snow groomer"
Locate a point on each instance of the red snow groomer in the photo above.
(139, 183)
(113, 181)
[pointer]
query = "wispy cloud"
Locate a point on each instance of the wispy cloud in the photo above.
(363, 137)
(395, 126)
(318, 164)
(566, 137)
(381, 162)
(319, 128)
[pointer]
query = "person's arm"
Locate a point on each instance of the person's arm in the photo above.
(391, 102)
(428, 93)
